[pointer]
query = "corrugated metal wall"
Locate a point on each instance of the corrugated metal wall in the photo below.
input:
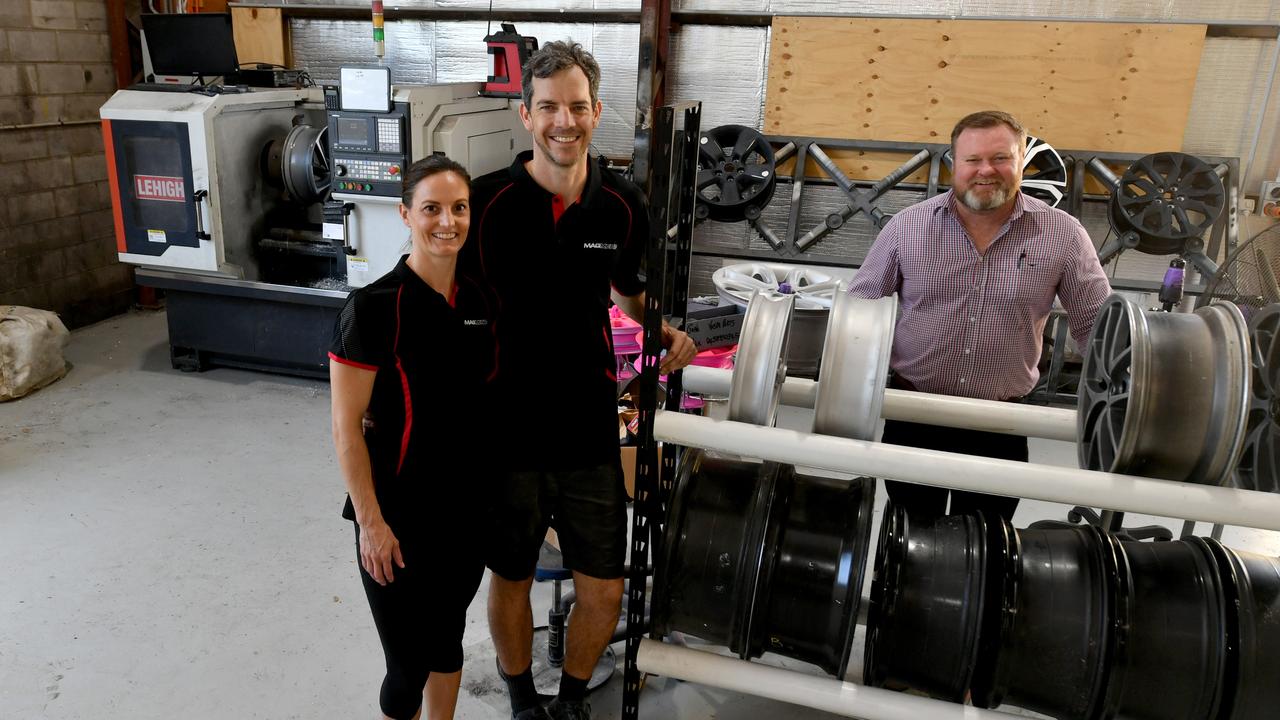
(725, 68)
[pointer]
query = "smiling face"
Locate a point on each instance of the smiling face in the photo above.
(988, 167)
(439, 216)
(561, 117)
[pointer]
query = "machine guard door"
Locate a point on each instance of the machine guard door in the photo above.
(151, 172)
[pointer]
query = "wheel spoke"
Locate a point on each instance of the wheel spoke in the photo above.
(711, 150)
(745, 142)
(757, 171)
(1118, 368)
(729, 192)
(705, 178)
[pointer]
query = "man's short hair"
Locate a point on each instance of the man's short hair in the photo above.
(988, 119)
(555, 56)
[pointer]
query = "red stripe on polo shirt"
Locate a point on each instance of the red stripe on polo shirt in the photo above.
(404, 384)
(352, 363)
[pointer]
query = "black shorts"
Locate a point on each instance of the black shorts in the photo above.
(587, 507)
(420, 617)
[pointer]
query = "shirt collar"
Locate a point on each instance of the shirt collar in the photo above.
(591, 190)
(1020, 205)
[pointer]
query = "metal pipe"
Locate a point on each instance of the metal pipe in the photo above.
(918, 407)
(1071, 486)
(821, 693)
(58, 123)
(1103, 173)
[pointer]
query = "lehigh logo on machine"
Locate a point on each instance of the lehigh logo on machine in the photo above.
(159, 187)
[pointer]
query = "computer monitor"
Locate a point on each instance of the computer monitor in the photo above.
(190, 44)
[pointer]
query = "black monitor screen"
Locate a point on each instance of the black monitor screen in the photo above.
(353, 132)
(190, 43)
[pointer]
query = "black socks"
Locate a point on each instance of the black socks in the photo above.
(520, 689)
(571, 688)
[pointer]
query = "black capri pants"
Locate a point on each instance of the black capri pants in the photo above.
(421, 615)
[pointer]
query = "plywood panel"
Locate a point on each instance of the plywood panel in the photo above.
(1107, 86)
(261, 35)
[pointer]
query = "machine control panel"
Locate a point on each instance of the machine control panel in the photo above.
(369, 150)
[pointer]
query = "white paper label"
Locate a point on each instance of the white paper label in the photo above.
(357, 264)
(157, 236)
(332, 231)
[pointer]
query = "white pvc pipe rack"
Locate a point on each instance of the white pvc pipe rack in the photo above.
(1189, 501)
(918, 407)
(821, 693)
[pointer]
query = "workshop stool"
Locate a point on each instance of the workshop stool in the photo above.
(549, 640)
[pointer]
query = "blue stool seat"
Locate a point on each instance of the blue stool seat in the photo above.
(551, 565)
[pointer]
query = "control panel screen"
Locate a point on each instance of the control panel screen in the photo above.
(353, 132)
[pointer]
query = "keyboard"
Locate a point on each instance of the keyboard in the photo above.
(164, 87)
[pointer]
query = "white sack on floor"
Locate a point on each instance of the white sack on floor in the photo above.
(31, 344)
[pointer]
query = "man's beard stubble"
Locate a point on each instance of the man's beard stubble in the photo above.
(998, 198)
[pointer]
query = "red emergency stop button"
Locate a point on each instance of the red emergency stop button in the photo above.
(395, 170)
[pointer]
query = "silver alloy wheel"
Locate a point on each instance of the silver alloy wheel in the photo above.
(1165, 395)
(813, 287)
(855, 366)
(306, 172)
(761, 364)
(1259, 467)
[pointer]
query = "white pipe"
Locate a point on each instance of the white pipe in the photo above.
(1188, 501)
(918, 407)
(821, 693)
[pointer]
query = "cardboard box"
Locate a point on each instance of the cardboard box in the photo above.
(629, 468)
(715, 327)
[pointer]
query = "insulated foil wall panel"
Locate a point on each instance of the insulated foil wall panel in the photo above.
(615, 46)
(724, 67)
(514, 5)
(462, 56)
(947, 8)
(323, 46)
(1175, 10)
(1230, 92)
(720, 5)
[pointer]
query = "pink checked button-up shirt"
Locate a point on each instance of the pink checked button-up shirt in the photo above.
(970, 324)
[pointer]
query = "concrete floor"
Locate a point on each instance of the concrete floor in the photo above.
(170, 545)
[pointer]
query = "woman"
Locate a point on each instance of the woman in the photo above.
(412, 351)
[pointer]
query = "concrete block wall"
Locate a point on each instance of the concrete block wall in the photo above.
(57, 243)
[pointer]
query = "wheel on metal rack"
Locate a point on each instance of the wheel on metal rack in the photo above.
(855, 366)
(761, 365)
(1167, 199)
(1259, 467)
(813, 290)
(1057, 650)
(1044, 175)
(1252, 586)
(736, 176)
(927, 597)
(1164, 395)
(760, 558)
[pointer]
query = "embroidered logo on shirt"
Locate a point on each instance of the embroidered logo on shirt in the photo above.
(600, 246)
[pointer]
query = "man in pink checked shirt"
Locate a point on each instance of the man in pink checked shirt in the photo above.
(976, 270)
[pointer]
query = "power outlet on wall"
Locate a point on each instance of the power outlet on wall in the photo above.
(1269, 199)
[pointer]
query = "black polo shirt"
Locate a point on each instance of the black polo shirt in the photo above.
(433, 357)
(550, 263)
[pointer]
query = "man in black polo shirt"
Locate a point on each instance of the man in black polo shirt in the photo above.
(556, 237)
